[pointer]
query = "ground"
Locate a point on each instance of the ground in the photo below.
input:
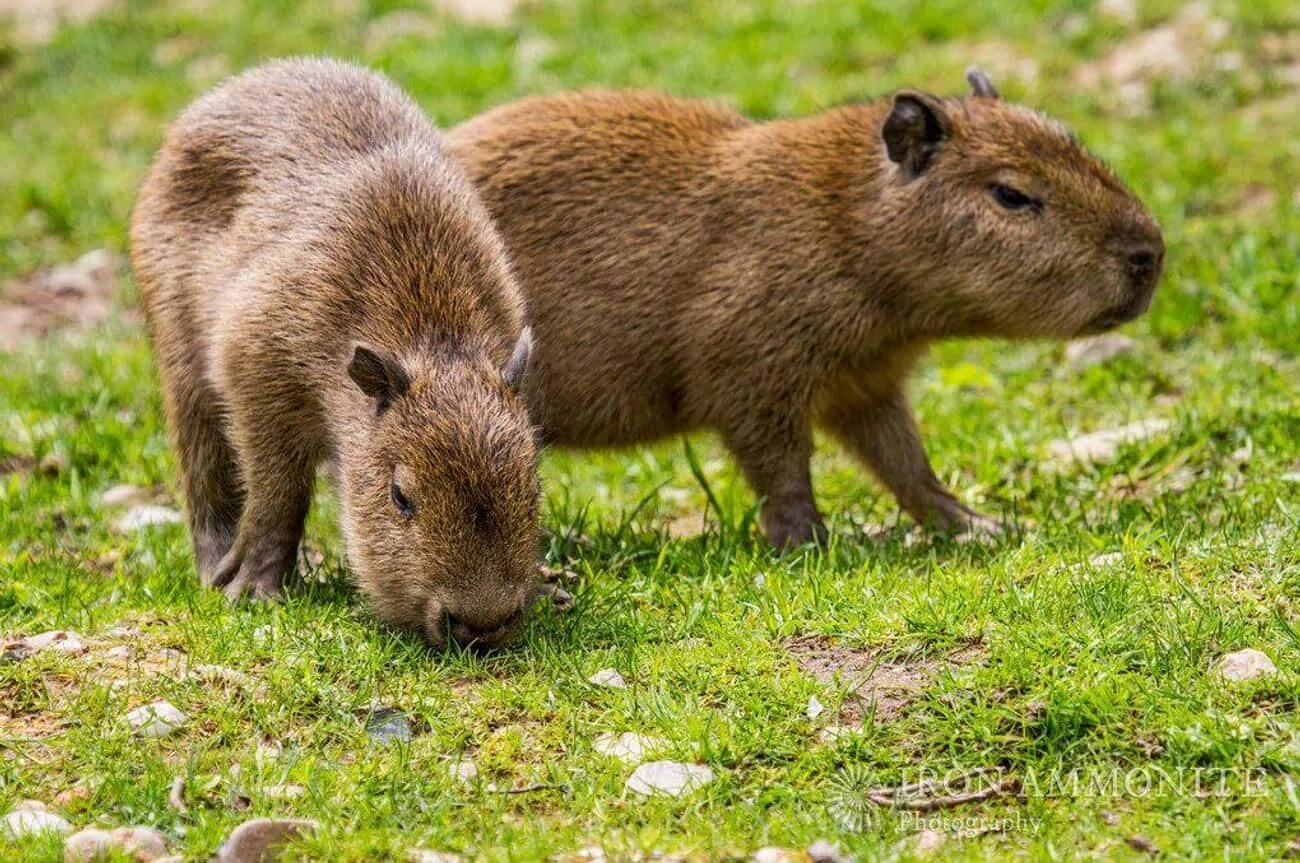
(1075, 662)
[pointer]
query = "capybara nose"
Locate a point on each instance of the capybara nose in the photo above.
(1143, 264)
(481, 633)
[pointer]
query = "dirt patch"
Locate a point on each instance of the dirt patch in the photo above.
(76, 295)
(873, 683)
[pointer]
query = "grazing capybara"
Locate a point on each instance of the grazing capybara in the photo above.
(322, 283)
(685, 267)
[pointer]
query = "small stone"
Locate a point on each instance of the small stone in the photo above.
(388, 724)
(1244, 665)
(72, 796)
(608, 678)
(589, 854)
(156, 720)
(259, 840)
(628, 746)
(772, 854)
(822, 851)
(125, 495)
(1104, 445)
(146, 516)
(833, 733)
(142, 844)
(285, 791)
(464, 770)
(425, 855)
(30, 806)
(87, 846)
(121, 653)
(57, 640)
(1107, 559)
(1085, 353)
(22, 823)
(815, 707)
(671, 778)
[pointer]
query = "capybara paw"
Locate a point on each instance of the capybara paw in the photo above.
(251, 575)
(248, 585)
(786, 533)
(560, 598)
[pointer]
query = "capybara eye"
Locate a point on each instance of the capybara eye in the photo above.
(1012, 199)
(400, 500)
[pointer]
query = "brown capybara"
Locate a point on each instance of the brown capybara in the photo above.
(685, 267)
(321, 283)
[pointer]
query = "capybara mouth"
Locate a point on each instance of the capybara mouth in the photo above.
(1117, 315)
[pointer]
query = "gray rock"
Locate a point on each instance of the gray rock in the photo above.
(608, 678)
(160, 719)
(22, 823)
(388, 724)
(1244, 665)
(260, 840)
(1084, 353)
(671, 778)
(144, 516)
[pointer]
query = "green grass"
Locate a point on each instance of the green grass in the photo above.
(1097, 668)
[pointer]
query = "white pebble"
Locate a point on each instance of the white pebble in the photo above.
(628, 746)
(815, 707)
(29, 822)
(1104, 445)
(255, 841)
(87, 846)
(772, 854)
(124, 495)
(143, 844)
(159, 719)
(425, 855)
(1245, 664)
(1084, 353)
(609, 678)
(668, 777)
(146, 515)
(464, 770)
(58, 640)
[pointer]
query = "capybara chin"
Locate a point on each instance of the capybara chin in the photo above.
(321, 283)
(685, 267)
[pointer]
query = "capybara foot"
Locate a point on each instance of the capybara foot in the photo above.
(793, 526)
(255, 574)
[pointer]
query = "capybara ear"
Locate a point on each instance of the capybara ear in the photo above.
(513, 373)
(981, 84)
(914, 130)
(378, 374)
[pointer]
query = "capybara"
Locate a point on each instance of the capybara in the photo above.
(685, 267)
(322, 284)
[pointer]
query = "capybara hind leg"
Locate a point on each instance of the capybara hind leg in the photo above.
(776, 464)
(210, 476)
(277, 478)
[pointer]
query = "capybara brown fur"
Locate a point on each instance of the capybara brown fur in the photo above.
(321, 284)
(685, 267)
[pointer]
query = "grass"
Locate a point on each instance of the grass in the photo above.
(1081, 665)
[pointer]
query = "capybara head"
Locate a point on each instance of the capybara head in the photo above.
(441, 495)
(1030, 235)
